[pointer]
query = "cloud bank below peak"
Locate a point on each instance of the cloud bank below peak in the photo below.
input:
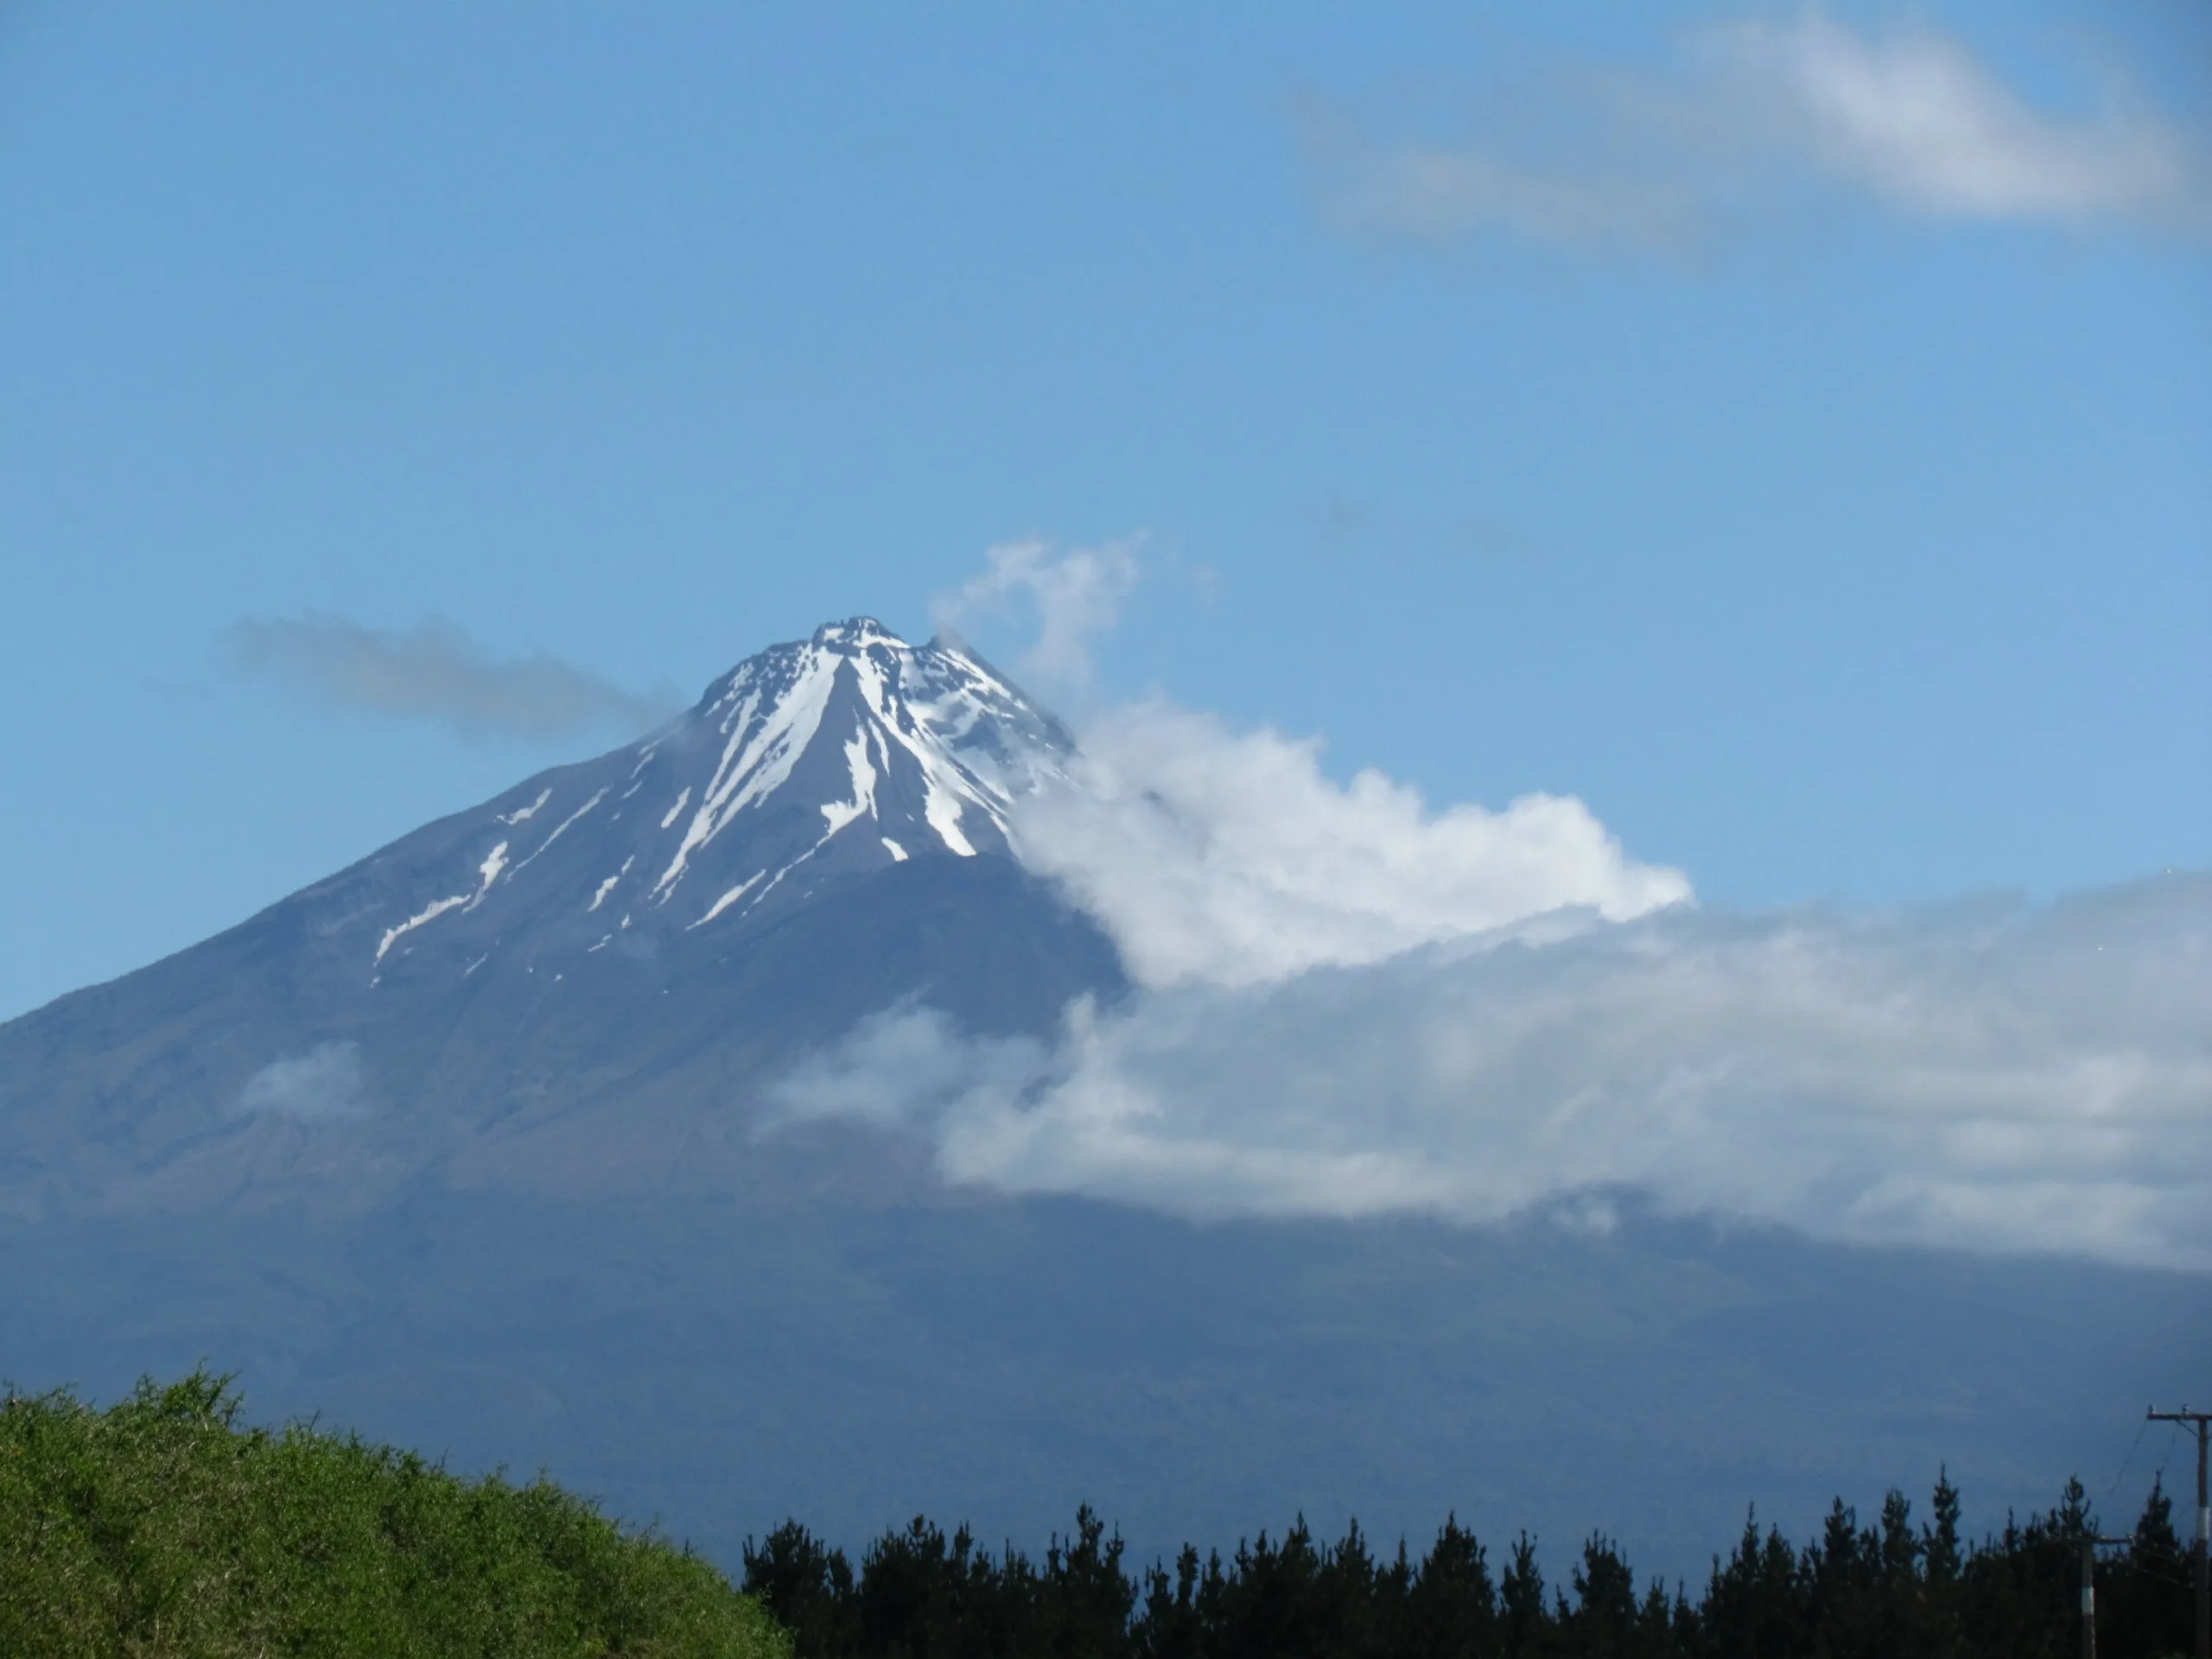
(1750, 112)
(1347, 1003)
(1992, 1077)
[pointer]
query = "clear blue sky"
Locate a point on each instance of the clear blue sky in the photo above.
(1602, 399)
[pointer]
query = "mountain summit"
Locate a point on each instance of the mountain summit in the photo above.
(595, 970)
(804, 767)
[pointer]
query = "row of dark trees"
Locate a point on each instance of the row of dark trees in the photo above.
(1889, 1590)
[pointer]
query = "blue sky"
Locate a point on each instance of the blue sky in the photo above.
(1616, 403)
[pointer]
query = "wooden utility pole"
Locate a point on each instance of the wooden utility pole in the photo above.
(2201, 1421)
(2090, 1593)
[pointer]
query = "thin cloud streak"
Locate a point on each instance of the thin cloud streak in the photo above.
(1755, 111)
(435, 672)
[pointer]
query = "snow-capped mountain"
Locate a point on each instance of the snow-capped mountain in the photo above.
(807, 766)
(465, 1146)
(629, 947)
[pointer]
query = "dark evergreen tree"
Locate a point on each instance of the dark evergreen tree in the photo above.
(1938, 1633)
(1521, 1613)
(1271, 1599)
(1604, 1622)
(1084, 1598)
(1392, 1603)
(1840, 1573)
(2020, 1590)
(904, 1593)
(1754, 1606)
(1169, 1625)
(1450, 1607)
(1346, 1617)
(2149, 1595)
(808, 1587)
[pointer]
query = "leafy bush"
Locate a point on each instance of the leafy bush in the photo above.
(160, 1526)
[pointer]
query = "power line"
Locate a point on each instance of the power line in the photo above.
(2173, 1436)
(2141, 1429)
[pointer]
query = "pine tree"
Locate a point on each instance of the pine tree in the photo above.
(808, 1587)
(1754, 1606)
(1087, 1599)
(1452, 1609)
(2151, 1610)
(1169, 1625)
(1603, 1622)
(1938, 1635)
(1521, 1602)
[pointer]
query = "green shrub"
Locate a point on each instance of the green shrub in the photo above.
(161, 1527)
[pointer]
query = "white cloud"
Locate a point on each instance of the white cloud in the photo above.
(326, 1082)
(1073, 597)
(1230, 858)
(1911, 120)
(1915, 121)
(435, 671)
(903, 1062)
(1994, 1077)
(1349, 1003)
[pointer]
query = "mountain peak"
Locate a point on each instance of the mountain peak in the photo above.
(857, 632)
(808, 765)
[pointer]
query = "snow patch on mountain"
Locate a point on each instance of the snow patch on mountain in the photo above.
(487, 873)
(561, 830)
(522, 813)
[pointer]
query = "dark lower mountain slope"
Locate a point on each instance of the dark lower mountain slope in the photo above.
(722, 1361)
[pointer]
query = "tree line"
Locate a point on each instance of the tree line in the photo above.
(1887, 1590)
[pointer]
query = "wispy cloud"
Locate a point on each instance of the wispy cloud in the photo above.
(1986, 1078)
(435, 672)
(1071, 596)
(326, 1082)
(1911, 120)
